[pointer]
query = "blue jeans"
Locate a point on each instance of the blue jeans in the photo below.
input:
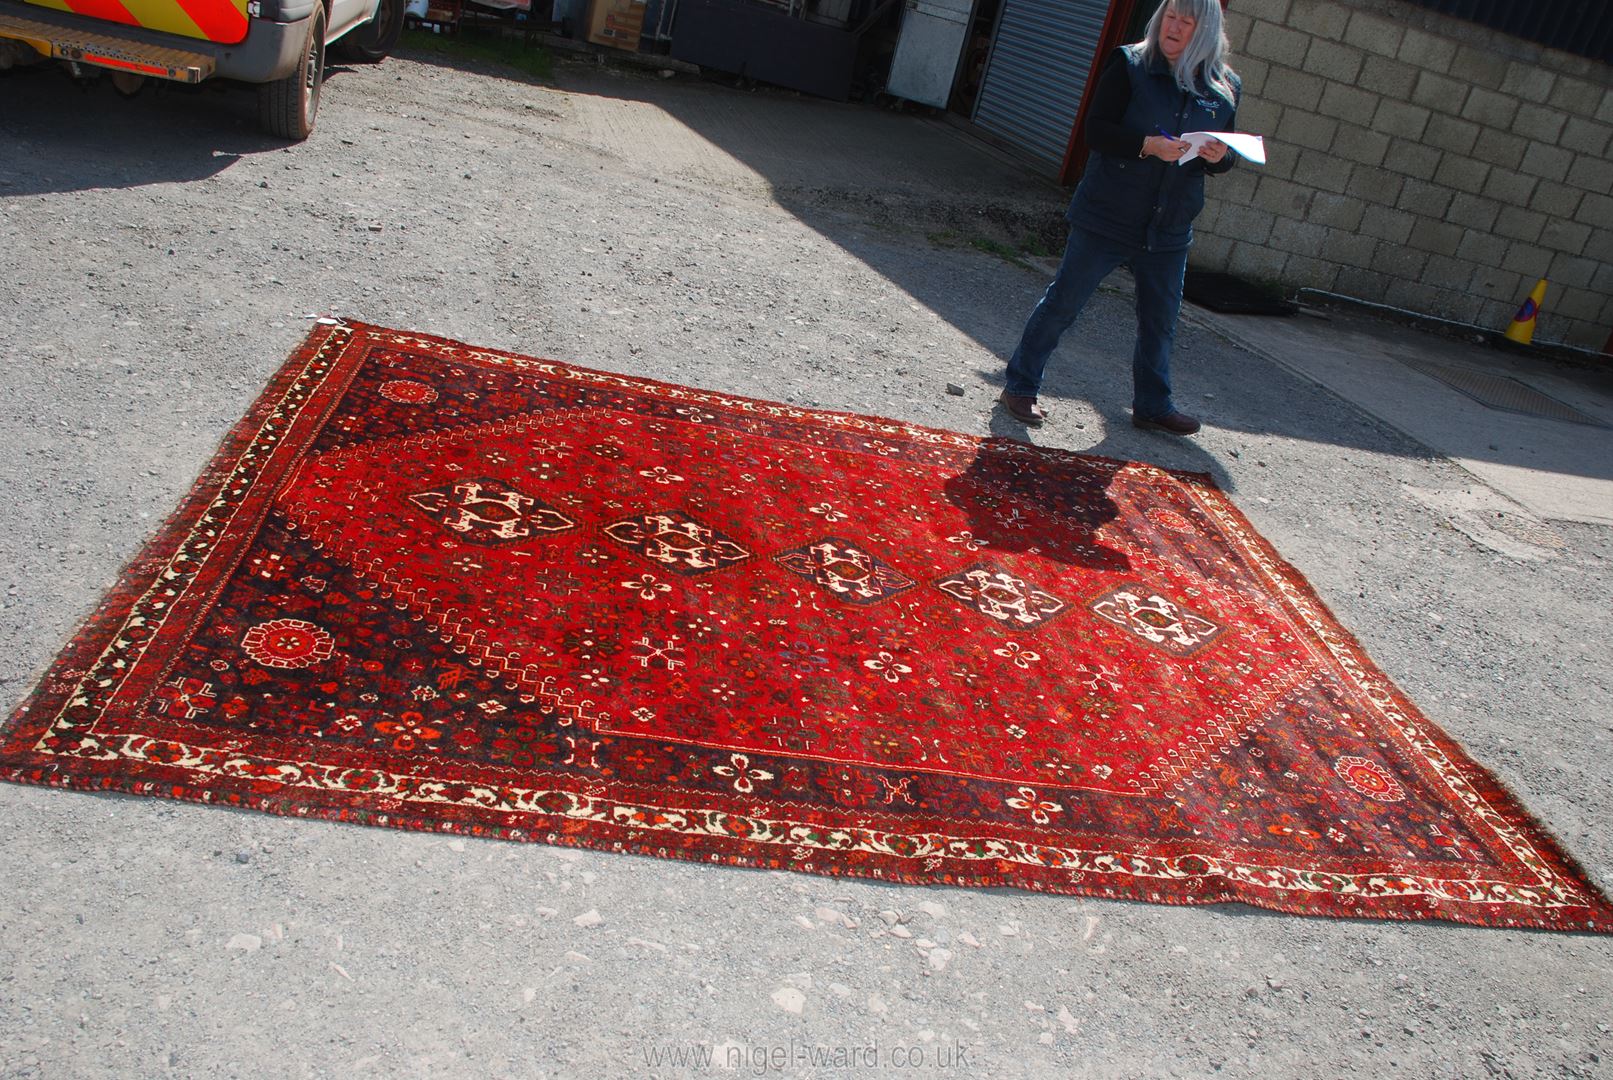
(1088, 259)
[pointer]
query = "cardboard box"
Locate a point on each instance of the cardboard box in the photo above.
(617, 23)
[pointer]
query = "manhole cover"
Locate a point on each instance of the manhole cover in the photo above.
(1503, 392)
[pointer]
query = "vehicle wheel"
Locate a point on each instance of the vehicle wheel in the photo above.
(375, 40)
(286, 108)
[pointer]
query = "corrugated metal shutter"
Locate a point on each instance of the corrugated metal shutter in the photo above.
(1038, 72)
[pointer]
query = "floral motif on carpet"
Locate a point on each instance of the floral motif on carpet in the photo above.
(438, 587)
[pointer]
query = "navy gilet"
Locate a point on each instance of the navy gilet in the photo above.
(1145, 202)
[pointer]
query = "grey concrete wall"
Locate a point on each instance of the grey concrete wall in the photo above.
(1420, 161)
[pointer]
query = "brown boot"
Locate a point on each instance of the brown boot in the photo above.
(1176, 423)
(1023, 408)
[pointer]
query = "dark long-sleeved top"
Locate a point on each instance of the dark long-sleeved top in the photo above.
(1146, 203)
(1105, 131)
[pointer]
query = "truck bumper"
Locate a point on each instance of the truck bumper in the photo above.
(270, 50)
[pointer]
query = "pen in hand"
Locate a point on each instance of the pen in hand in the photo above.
(1172, 138)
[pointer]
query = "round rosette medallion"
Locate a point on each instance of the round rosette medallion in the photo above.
(1369, 779)
(408, 392)
(288, 643)
(1170, 519)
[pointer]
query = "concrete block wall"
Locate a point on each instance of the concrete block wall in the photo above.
(1419, 161)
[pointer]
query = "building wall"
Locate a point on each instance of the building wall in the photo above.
(1419, 161)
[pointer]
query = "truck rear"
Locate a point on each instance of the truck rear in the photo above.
(279, 45)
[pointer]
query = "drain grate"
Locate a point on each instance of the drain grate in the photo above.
(1504, 393)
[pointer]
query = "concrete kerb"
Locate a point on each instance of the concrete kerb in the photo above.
(1535, 461)
(1206, 319)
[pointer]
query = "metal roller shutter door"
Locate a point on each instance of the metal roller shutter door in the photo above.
(1038, 72)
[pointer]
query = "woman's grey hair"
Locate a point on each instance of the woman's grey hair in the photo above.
(1204, 61)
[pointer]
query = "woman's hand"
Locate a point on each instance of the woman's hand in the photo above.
(1213, 151)
(1165, 149)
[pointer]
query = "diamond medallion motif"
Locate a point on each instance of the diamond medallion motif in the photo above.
(488, 512)
(845, 570)
(1154, 619)
(677, 542)
(1000, 595)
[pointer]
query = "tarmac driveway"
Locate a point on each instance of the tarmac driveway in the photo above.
(161, 259)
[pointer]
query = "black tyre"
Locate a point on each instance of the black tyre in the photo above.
(287, 107)
(375, 40)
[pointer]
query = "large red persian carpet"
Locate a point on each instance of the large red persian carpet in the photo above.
(439, 587)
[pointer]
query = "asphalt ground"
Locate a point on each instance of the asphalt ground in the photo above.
(162, 259)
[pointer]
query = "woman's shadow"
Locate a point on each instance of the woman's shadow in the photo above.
(1053, 504)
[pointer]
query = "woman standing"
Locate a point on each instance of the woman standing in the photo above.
(1135, 204)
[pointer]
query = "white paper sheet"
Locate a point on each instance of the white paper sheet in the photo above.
(1245, 145)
